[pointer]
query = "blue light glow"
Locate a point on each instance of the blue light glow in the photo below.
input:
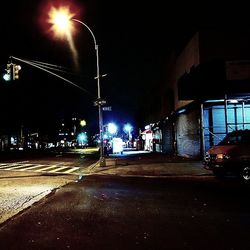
(82, 138)
(128, 128)
(112, 128)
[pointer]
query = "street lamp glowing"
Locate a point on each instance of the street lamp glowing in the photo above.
(112, 128)
(62, 25)
(83, 123)
(61, 21)
(82, 139)
(128, 128)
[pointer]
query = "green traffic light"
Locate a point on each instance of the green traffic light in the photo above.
(6, 77)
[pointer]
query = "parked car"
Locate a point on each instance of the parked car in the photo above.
(231, 155)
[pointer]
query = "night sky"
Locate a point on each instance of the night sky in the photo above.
(135, 41)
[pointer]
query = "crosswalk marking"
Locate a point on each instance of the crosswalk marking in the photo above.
(55, 168)
(16, 167)
(5, 166)
(71, 170)
(2, 165)
(48, 167)
(8, 165)
(58, 169)
(33, 167)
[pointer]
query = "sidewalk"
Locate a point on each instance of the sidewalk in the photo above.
(149, 164)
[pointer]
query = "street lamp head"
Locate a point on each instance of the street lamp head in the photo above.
(128, 128)
(83, 123)
(61, 21)
(112, 128)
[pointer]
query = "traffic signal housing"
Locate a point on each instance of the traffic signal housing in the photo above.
(12, 72)
(15, 71)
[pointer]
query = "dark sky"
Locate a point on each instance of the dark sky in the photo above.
(135, 41)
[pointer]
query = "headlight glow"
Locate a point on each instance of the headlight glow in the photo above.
(220, 156)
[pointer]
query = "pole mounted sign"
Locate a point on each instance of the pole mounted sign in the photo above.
(107, 108)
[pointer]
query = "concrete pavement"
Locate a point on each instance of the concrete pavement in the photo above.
(143, 163)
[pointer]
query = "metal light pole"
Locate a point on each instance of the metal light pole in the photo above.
(99, 101)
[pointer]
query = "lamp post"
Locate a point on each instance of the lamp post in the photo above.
(128, 128)
(99, 102)
(62, 19)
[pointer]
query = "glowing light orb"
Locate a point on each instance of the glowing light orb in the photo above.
(128, 128)
(61, 21)
(112, 128)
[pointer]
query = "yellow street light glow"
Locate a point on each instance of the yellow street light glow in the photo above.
(83, 123)
(60, 20)
(62, 27)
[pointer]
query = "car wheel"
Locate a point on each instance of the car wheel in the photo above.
(246, 173)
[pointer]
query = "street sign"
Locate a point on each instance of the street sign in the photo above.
(107, 108)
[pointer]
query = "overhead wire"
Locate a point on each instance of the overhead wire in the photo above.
(42, 66)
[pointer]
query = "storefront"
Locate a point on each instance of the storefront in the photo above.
(223, 116)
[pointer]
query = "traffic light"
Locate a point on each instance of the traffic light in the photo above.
(15, 71)
(8, 75)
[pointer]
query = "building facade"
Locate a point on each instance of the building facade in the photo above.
(211, 92)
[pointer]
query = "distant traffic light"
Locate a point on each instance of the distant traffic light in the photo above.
(15, 71)
(12, 72)
(8, 75)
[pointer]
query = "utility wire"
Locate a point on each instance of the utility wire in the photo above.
(56, 68)
(52, 68)
(50, 72)
(48, 64)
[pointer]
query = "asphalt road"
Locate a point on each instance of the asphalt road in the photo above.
(71, 155)
(108, 212)
(25, 178)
